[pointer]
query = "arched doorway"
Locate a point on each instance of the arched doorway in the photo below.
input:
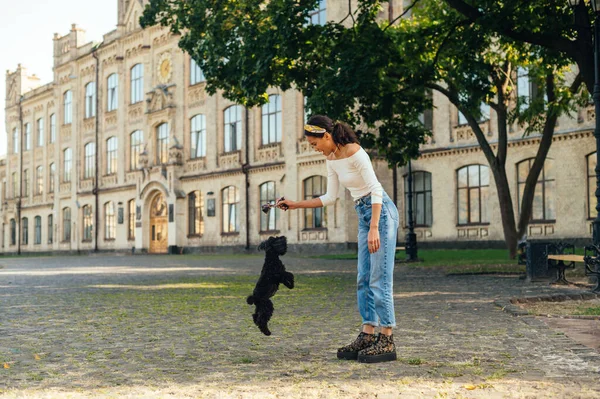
(158, 225)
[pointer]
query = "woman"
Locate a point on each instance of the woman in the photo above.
(349, 164)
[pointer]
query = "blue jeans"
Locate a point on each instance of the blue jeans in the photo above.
(375, 281)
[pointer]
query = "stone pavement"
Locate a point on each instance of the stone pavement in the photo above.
(110, 326)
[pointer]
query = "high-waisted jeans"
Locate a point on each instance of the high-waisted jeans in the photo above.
(375, 271)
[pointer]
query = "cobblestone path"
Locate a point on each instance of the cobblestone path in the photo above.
(111, 326)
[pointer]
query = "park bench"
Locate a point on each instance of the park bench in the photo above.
(561, 256)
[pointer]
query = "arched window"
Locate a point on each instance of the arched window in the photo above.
(197, 137)
(233, 128)
(67, 111)
(314, 186)
(162, 142)
(26, 183)
(88, 222)
(37, 237)
(51, 176)
(90, 100)
(137, 83)
(591, 185)
(89, 167)
(112, 88)
(67, 164)
(268, 221)
(66, 224)
(15, 185)
(195, 213)
(39, 180)
(110, 228)
(196, 75)
(27, 138)
(15, 140)
(111, 156)
(473, 194)
(52, 128)
(136, 146)
(25, 230)
(13, 232)
(422, 199)
(230, 202)
(131, 220)
(271, 120)
(543, 208)
(40, 132)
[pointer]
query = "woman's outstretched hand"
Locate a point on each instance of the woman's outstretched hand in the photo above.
(286, 204)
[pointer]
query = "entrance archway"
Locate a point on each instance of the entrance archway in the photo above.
(158, 225)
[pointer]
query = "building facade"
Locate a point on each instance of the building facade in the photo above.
(124, 148)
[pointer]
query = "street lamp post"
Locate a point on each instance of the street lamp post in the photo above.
(411, 237)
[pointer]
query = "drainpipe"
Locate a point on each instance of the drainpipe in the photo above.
(95, 191)
(246, 170)
(20, 234)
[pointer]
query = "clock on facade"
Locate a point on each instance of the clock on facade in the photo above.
(164, 68)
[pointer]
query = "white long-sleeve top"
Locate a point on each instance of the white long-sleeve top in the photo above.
(356, 174)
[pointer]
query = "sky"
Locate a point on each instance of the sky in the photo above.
(27, 28)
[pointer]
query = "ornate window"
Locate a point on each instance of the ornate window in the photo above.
(88, 223)
(37, 235)
(271, 120)
(197, 137)
(25, 228)
(196, 75)
(543, 209)
(473, 194)
(314, 186)
(90, 100)
(66, 224)
(52, 128)
(39, 180)
(233, 128)
(112, 87)
(136, 146)
(111, 156)
(40, 132)
(67, 103)
(15, 141)
(13, 232)
(195, 213)
(318, 16)
(422, 200)
(162, 141)
(131, 220)
(27, 138)
(110, 228)
(484, 114)
(268, 221)
(89, 168)
(231, 202)
(67, 164)
(50, 229)
(51, 176)
(137, 83)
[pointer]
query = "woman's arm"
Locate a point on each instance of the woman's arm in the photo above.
(310, 203)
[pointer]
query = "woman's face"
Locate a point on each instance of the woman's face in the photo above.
(324, 145)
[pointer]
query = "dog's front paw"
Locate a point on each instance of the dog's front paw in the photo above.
(288, 280)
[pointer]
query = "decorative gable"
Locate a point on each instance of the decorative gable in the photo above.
(133, 14)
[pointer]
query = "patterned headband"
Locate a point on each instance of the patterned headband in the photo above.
(314, 129)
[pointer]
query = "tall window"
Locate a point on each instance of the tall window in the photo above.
(111, 156)
(591, 185)
(543, 209)
(318, 16)
(110, 228)
(67, 103)
(89, 169)
(195, 213)
(473, 194)
(421, 190)
(90, 100)
(196, 75)
(137, 83)
(131, 219)
(25, 229)
(51, 176)
(233, 128)
(484, 114)
(13, 232)
(112, 87)
(271, 120)
(523, 88)
(162, 141)
(67, 164)
(27, 138)
(52, 128)
(26, 183)
(40, 132)
(314, 187)
(136, 146)
(231, 201)
(39, 180)
(37, 234)
(88, 223)
(15, 141)
(15, 185)
(66, 224)
(50, 229)
(198, 137)
(268, 222)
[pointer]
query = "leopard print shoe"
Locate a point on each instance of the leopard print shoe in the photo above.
(383, 351)
(350, 352)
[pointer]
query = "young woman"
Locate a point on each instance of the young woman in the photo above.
(349, 164)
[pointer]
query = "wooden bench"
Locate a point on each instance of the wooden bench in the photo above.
(556, 258)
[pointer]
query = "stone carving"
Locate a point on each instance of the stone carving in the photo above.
(160, 98)
(268, 153)
(230, 160)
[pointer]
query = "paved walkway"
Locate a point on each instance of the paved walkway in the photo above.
(178, 326)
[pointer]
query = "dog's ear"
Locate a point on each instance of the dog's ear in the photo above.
(262, 246)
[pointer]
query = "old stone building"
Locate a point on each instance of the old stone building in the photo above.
(124, 148)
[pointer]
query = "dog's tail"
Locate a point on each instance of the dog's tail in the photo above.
(251, 300)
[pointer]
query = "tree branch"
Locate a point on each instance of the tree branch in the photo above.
(349, 14)
(401, 15)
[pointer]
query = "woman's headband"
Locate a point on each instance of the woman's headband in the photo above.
(312, 129)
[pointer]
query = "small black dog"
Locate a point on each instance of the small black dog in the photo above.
(273, 273)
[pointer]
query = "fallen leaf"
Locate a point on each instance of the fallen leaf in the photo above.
(36, 357)
(6, 365)
(469, 387)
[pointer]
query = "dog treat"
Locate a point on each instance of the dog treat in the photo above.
(267, 207)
